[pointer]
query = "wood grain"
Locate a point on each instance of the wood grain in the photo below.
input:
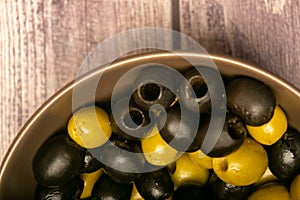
(42, 43)
(266, 33)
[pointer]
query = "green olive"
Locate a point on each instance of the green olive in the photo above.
(156, 150)
(89, 181)
(90, 127)
(135, 195)
(186, 172)
(294, 188)
(270, 132)
(199, 158)
(274, 191)
(244, 166)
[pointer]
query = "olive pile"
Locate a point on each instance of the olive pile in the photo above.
(101, 155)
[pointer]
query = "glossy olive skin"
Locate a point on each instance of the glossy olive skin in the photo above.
(272, 131)
(130, 121)
(90, 163)
(156, 151)
(200, 97)
(284, 156)
(68, 191)
(181, 132)
(185, 171)
(58, 161)
(149, 94)
(121, 159)
(233, 134)
(251, 100)
(155, 185)
(190, 192)
(90, 127)
(225, 191)
(106, 188)
(153, 85)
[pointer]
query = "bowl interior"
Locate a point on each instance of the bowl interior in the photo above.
(16, 176)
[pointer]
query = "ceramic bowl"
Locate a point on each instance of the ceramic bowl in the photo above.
(16, 176)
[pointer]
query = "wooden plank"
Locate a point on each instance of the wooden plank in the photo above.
(266, 33)
(44, 42)
(65, 40)
(123, 16)
(23, 85)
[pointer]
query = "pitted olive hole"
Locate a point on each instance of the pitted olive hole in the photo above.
(199, 87)
(223, 164)
(150, 91)
(134, 119)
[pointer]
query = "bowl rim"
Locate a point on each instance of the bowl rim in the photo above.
(158, 54)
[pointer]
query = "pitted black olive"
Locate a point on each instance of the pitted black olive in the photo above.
(129, 121)
(190, 192)
(107, 189)
(90, 164)
(154, 85)
(155, 185)
(71, 190)
(251, 100)
(148, 94)
(181, 130)
(122, 159)
(201, 95)
(57, 161)
(284, 156)
(220, 190)
(232, 136)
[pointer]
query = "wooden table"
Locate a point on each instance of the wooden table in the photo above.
(44, 42)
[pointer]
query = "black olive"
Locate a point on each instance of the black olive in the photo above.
(71, 190)
(202, 89)
(155, 185)
(232, 136)
(148, 94)
(251, 100)
(201, 95)
(190, 192)
(129, 121)
(91, 164)
(122, 159)
(284, 156)
(154, 85)
(57, 161)
(181, 131)
(225, 191)
(107, 189)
